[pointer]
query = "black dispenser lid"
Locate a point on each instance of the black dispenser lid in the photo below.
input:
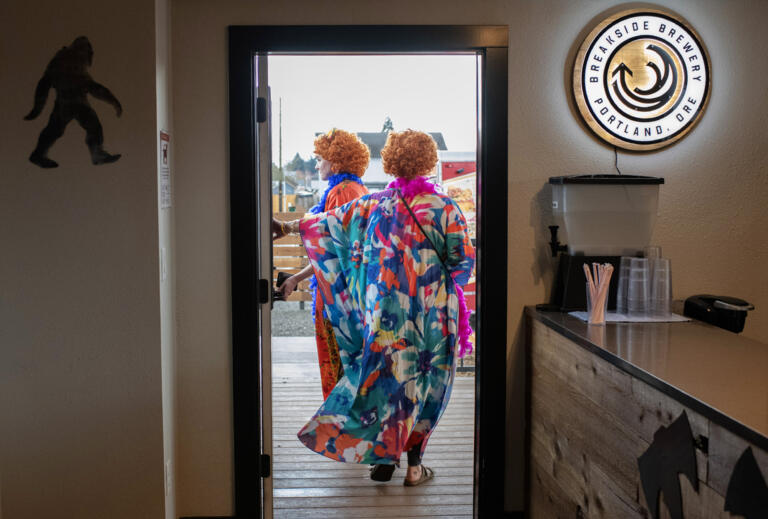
(605, 179)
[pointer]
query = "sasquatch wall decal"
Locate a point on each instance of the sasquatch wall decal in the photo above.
(67, 73)
(672, 452)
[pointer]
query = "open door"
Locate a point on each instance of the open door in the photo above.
(250, 184)
(250, 198)
(264, 208)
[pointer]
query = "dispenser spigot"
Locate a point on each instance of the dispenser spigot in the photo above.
(554, 244)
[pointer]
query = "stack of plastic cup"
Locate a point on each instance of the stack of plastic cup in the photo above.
(638, 287)
(623, 283)
(661, 288)
(652, 252)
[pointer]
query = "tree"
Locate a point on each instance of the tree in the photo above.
(280, 176)
(303, 169)
(310, 170)
(296, 163)
(310, 165)
(388, 126)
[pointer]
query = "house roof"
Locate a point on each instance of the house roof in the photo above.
(289, 188)
(376, 141)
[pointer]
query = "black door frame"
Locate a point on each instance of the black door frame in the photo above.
(492, 43)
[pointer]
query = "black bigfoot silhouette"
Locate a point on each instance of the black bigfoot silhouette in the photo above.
(67, 73)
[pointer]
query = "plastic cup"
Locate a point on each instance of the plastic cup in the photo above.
(661, 288)
(596, 315)
(652, 252)
(623, 283)
(638, 287)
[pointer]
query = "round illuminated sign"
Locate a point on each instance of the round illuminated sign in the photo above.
(641, 79)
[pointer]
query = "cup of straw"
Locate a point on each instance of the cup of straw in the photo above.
(598, 282)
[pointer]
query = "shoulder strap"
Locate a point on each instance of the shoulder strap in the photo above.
(445, 267)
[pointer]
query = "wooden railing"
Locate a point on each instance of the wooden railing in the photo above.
(289, 256)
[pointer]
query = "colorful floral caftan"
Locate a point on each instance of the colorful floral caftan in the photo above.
(327, 348)
(394, 314)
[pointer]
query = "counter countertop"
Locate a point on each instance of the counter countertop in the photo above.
(719, 374)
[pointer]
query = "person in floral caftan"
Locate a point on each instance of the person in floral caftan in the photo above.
(390, 267)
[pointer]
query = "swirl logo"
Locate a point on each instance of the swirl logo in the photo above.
(641, 79)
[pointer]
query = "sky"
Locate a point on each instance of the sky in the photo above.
(356, 93)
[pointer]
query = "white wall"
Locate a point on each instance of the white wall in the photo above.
(81, 433)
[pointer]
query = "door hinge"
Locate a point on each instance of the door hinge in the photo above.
(264, 291)
(265, 465)
(261, 109)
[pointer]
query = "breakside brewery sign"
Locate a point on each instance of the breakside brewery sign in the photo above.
(641, 79)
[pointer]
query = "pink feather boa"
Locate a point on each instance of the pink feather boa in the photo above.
(417, 186)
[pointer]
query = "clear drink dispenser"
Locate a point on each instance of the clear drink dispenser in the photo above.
(606, 215)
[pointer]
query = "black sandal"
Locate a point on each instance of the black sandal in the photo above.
(382, 472)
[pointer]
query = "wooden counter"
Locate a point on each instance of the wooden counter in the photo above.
(598, 394)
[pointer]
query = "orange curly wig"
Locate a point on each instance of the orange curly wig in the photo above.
(344, 150)
(409, 154)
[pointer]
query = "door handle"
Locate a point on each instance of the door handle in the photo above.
(261, 109)
(264, 291)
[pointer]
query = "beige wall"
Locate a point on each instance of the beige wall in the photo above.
(712, 208)
(80, 364)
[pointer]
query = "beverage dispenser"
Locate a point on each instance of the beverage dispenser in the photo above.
(603, 218)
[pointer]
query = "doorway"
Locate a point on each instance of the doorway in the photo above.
(251, 195)
(369, 95)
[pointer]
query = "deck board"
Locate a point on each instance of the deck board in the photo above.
(306, 484)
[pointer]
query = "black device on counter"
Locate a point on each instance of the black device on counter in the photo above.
(276, 294)
(726, 312)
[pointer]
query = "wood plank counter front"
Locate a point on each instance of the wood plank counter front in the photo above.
(600, 396)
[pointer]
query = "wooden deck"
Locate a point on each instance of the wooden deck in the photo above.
(309, 485)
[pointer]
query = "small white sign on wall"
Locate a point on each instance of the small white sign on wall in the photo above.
(165, 169)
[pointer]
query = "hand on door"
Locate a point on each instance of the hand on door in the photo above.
(278, 229)
(288, 286)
